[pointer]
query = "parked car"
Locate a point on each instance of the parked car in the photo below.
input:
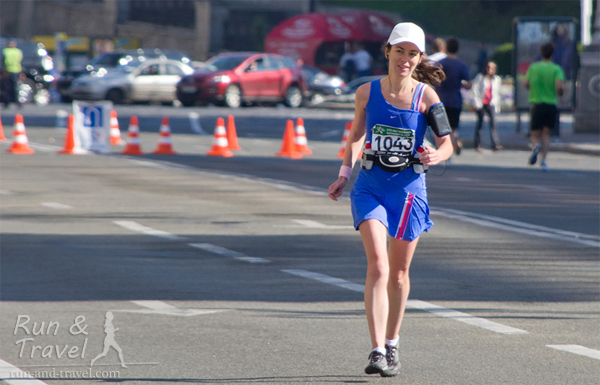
(243, 77)
(152, 80)
(321, 85)
(38, 69)
(349, 90)
(106, 61)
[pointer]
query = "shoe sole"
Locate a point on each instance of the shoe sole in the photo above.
(372, 370)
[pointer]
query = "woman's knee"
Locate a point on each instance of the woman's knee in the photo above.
(399, 279)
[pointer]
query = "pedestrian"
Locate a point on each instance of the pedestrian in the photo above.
(457, 77)
(362, 60)
(438, 47)
(482, 58)
(391, 116)
(12, 57)
(545, 81)
(486, 100)
(346, 65)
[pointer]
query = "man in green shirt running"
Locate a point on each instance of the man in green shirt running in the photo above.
(544, 80)
(12, 63)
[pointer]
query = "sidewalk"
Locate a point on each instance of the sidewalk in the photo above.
(567, 141)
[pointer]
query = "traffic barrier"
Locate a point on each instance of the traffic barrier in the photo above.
(115, 132)
(20, 144)
(232, 138)
(344, 140)
(288, 145)
(70, 146)
(301, 141)
(133, 142)
(165, 146)
(220, 143)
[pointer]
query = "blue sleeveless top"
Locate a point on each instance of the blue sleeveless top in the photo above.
(379, 111)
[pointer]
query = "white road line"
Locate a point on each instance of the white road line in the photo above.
(56, 205)
(228, 253)
(578, 349)
(6, 192)
(542, 188)
(44, 147)
(317, 225)
(518, 227)
(159, 307)
(12, 375)
(327, 279)
(414, 304)
(134, 226)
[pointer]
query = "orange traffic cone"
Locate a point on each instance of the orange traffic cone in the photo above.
(115, 133)
(133, 142)
(301, 141)
(20, 144)
(232, 134)
(288, 146)
(2, 137)
(70, 147)
(220, 143)
(164, 140)
(344, 140)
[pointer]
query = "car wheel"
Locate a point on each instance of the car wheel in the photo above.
(233, 96)
(115, 95)
(42, 97)
(293, 97)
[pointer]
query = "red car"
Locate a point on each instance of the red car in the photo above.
(243, 77)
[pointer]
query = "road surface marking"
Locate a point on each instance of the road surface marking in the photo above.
(228, 253)
(134, 226)
(159, 307)
(5, 192)
(56, 205)
(518, 227)
(413, 304)
(317, 225)
(578, 349)
(542, 188)
(12, 375)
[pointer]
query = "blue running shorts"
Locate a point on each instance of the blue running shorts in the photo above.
(405, 214)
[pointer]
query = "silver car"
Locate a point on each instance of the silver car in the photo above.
(151, 80)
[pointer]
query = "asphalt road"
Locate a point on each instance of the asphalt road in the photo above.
(241, 270)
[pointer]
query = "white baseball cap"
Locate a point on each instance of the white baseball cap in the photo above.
(408, 32)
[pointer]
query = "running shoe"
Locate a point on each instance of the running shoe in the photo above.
(393, 361)
(534, 154)
(458, 147)
(545, 167)
(377, 364)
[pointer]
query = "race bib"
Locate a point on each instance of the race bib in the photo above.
(392, 139)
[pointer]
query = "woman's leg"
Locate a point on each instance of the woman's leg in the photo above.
(374, 236)
(493, 131)
(477, 139)
(400, 256)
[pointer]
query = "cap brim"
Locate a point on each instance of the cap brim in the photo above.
(403, 40)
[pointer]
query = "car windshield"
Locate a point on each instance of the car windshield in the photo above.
(110, 59)
(224, 63)
(126, 68)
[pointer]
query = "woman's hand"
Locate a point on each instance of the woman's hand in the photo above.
(335, 190)
(430, 157)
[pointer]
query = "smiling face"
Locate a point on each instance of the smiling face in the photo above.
(403, 59)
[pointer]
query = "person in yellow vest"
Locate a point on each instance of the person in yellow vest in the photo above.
(12, 63)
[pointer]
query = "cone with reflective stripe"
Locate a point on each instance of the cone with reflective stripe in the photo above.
(232, 138)
(20, 144)
(344, 140)
(165, 146)
(288, 146)
(115, 132)
(70, 146)
(301, 141)
(133, 141)
(220, 144)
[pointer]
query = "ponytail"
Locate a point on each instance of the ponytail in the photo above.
(429, 72)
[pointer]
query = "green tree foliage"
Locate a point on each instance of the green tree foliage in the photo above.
(484, 20)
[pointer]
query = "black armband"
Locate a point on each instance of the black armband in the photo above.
(438, 120)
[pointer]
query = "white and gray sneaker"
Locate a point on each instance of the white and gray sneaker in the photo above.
(393, 361)
(534, 154)
(377, 363)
